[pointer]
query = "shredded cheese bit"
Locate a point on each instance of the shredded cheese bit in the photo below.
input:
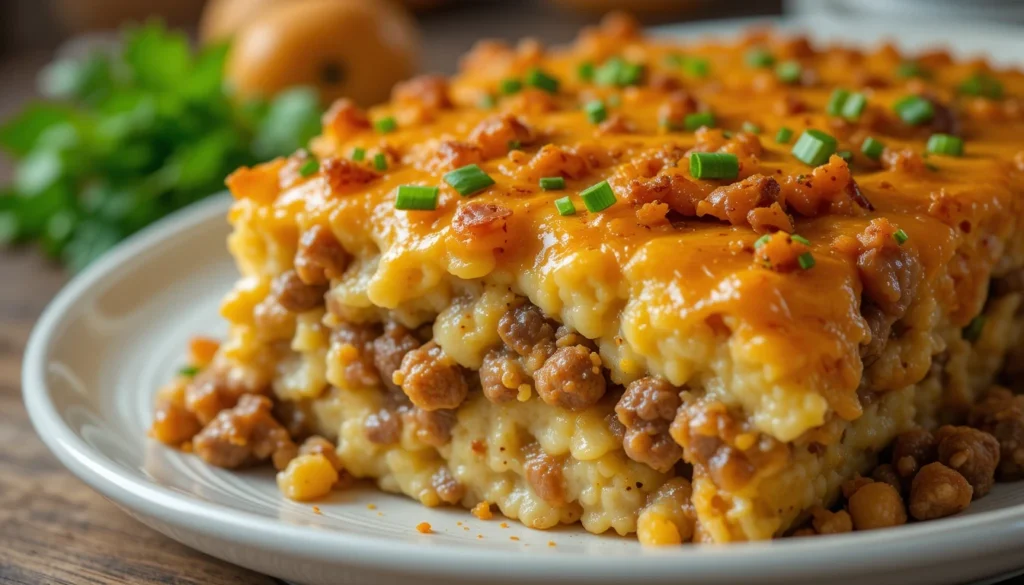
(424, 528)
(483, 510)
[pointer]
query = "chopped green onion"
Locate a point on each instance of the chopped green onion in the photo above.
(542, 80)
(789, 72)
(982, 85)
(598, 197)
(385, 125)
(585, 71)
(727, 134)
(696, 66)
(614, 100)
(914, 110)
(564, 206)
(358, 154)
(618, 71)
(814, 147)
(714, 165)
(872, 148)
(309, 167)
(846, 155)
(900, 236)
(837, 101)
(694, 121)
(596, 112)
(854, 106)
(909, 69)
(552, 183)
(486, 101)
(762, 241)
(973, 330)
(945, 144)
(380, 162)
(806, 261)
(188, 371)
(514, 145)
(510, 86)
(751, 128)
(759, 58)
(783, 135)
(468, 180)
(800, 239)
(416, 197)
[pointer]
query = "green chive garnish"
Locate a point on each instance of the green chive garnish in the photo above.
(982, 85)
(800, 239)
(789, 72)
(900, 236)
(468, 180)
(514, 145)
(188, 371)
(598, 197)
(696, 66)
(596, 112)
(309, 167)
(814, 147)
(751, 127)
(585, 71)
(510, 86)
(694, 121)
(806, 260)
(973, 330)
(552, 183)
(872, 148)
(909, 69)
(487, 101)
(837, 101)
(564, 206)
(845, 155)
(714, 165)
(762, 241)
(914, 110)
(759, 58)
(380, 162)
(783, 135)
(416, 197)
(854, 106)
(945, 144)
(542, 80)
(358, 154)
(618, 71)
(385, 125)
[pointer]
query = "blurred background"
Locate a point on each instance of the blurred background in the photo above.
(115, 113)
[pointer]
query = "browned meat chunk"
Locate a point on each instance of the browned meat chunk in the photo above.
(1001, 414)
(972, 453)
(344, 119)
(647, 409)
(244, 435)
(937, 492)
(544, 474)
(781, 253)
(737, 203)
(294, 294)
(452, 154)
(433, 427)
(320, 256)
(345, 176)
(889, 271)
(494, 135)
(447, 487)
(383, 427)
(679, 193)
(428, 91)
(528, 332)
(571, 378)
(501, 375)
(912, 450)
(481, 225)
(431, 379)
(389, 349)
(357, 353)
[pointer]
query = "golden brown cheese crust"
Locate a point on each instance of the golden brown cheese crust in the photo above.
(671, 281)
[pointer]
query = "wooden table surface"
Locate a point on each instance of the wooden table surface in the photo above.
(54, 529)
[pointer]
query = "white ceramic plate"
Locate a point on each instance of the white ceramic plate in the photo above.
(118, 331)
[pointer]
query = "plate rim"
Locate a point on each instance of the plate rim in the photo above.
(976, 535)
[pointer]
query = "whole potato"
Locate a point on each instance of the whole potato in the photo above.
(345, 48)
